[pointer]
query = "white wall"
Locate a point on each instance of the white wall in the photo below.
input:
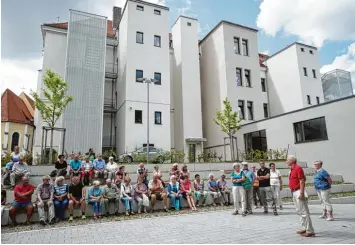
(334, 152)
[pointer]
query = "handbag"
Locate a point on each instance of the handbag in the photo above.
(145, 201)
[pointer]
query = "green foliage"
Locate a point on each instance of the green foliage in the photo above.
(210, 157)
(227, 120)
(109, 153)
(177, 156)
(257, 155)
(139, 157)
(5, 158)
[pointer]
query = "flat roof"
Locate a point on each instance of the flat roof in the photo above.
(228, 23)
(289, 46)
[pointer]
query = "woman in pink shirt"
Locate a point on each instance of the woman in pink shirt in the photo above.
(186, 192)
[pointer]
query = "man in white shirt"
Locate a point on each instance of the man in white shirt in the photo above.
(18, 170)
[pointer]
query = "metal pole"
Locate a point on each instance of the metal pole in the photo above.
(147, 81)
(63, 142)
(45, 146)
(42, 151)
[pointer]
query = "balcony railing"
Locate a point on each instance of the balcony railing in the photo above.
(110, 105)
(108, 141)
(111, 70)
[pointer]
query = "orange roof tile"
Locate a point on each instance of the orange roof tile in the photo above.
(13, 109)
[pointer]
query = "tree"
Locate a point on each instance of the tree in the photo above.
(54, 102)
(229, 122)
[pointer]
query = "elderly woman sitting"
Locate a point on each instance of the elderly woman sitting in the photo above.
(127, 195)
(111, 168)
(60, 197)
(95, 195)
(141, 193)
(213, 189)
(174, 193)
(87, 170)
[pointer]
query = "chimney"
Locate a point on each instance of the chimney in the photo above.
(116, 12)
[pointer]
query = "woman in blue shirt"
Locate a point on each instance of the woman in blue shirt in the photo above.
(174, 193)
(322, 184)
(95, 194)
(213, 189)
(238, 177)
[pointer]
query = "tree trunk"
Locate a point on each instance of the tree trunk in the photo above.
(51, 148)
(231, 144)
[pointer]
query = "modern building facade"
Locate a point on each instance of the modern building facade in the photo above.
(337, 84)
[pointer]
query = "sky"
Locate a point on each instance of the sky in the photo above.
(326, 24)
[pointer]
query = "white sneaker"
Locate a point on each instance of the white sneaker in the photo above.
(323, 216)
(330, 219)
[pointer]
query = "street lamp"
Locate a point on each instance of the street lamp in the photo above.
(147, 81)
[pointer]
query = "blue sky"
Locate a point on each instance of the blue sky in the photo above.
(326, 24)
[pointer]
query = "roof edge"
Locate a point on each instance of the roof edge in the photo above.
(289, 46)
(183, 16)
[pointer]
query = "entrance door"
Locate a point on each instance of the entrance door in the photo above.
(192, 153)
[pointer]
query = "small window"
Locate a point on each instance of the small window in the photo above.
(263, 85)
(239, 77)
(15, 140)
(157, 78)
(157, 117)
(139, 37)
(241, 108)
(247, 78)
(139, 75)
(266, 110)
(309, 100)
(140, 8)
(302, 49)
(245, 47)
(311, 51)
(305, 72)
(236, 45)
(318, 102)
(314, 73)
(310, 130)
(188, 23)
(250, 110)
(157, 12)
(157, 41)
(138, 116)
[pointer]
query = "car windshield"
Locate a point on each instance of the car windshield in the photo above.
(151, 149)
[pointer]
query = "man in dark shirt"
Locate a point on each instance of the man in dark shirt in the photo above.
(77, 195)
(264, 187)
(61, 166)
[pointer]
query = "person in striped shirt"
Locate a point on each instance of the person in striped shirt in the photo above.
(60, 197)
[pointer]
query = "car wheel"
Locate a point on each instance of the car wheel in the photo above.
(128, 159)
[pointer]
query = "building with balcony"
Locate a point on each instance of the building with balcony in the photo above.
(337, 84)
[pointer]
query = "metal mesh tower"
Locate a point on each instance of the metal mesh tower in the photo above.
(336, 84)
(85, 75)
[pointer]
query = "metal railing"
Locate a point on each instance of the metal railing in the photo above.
(111, 70)
(110, 104)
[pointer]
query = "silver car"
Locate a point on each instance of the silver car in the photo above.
(155, 155)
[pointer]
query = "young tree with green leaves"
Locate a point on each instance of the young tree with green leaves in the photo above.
(229, 122)
(54, 102)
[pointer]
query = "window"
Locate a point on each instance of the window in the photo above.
(139, 37)
(302, 49)
(263, 85)
(188, 23)
(241, 108)
(311, 51)
(245, 47)
(138, 116)
(140, 8)
(317, 98)
(157, 41)
(266, 111)
(15, 140)
(239, 77)
(157, 117)
(255, 141)
(157, 12)
(247, 78)
(236, 45)
(157, 77)
(309, 100)
(250, 110)
(314, 73)
(310, 130)
(139, 75)
(305, 71)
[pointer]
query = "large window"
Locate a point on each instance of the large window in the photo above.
(250, 110)
(157, 78)
(236, 45)
(247, 78)
(241, 109)
(310, 130)
(139, 76)
(138, 116)
(239, 77)
(157, 40)
(266, 110)
(15, 140)
(139, 37)
(255, 141)
(157, 117)
(245, 47)
(263, 85)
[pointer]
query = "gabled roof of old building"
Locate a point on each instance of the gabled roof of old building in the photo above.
(13, 109)
(30, 104)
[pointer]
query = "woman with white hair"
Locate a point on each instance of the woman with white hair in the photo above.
(127, 192)
(175, 171)
(174, 193)
(213, 189)
(111, 168)
(95, 195)
(238, 177)
(60, 199)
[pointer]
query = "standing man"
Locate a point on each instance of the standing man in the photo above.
(100, 167)
(265, 189)
(19, 169)
(297, 182)
(45, 192)
(248, 188)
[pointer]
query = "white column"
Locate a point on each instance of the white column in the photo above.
(6, 137)
(25, 138)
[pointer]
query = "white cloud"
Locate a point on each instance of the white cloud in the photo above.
(186, 7)
(266, 52)
(345, 62)
(313, 21)
(202, 30)
(20, 75)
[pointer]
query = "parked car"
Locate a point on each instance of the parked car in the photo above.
(155, 155)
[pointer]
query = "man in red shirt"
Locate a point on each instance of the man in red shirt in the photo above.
(297, 182)
(23, 193)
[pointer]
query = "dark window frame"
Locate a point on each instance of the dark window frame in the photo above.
(250, 108)
(266, 110)
(314, 73)
(189, 24)
(305, 71)
(158, 82)
(263, 84)
(241, 106)
(247, 78)
(236, 43)
(136, 119)
(140, 7)
(157, 12)
(245, 43)
(318, 100)
(139, 77)
(155, 118)
(302, 49)
(137, 33)
(311, 51)
(309, 102)
(159, 38)
(15, 140)
(241, 76)
(256, 138)
(301, 134)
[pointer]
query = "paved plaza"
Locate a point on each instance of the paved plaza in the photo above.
(204, 227)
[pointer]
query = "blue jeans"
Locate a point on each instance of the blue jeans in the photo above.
(175, 202)
(127, 203)
(96, 207)
(60, 208)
